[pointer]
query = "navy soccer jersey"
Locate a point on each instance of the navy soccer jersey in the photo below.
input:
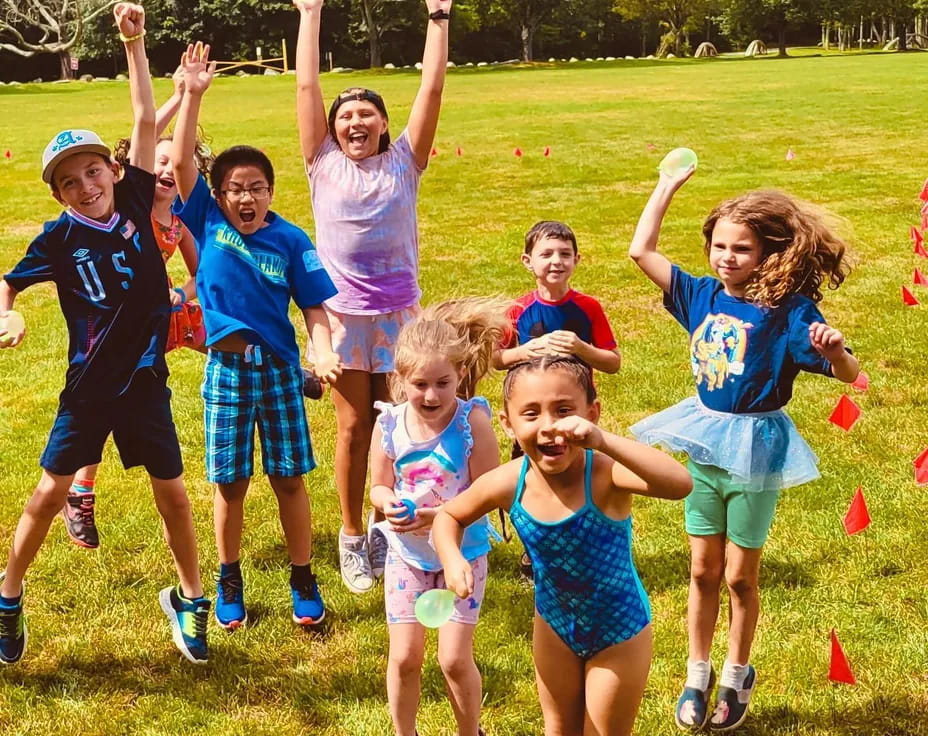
(245, 282)
(112, 288)
(532, 317)
(744, 357)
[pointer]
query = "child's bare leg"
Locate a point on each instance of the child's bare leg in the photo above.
(87, 473)
(404, 675)
(742, 574)
(707, 565)
(174, 507)
(295, 516)
(456, 658)
(43, 505)
(354, 418)
(229, 517)
(615, 681)
(559, 676)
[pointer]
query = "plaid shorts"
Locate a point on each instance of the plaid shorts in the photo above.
(240, 391)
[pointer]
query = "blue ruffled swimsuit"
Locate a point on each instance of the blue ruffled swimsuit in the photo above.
(586, 586)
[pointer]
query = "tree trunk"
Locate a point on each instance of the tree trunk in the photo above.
(903, 41)
(826, 36)
(644, 38)
(64, 61)
(528, 37)
(373, 34)
(781, 39)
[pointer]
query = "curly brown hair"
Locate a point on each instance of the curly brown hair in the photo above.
(202, 154)
(800, 252)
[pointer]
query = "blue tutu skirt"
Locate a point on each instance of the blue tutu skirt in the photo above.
(762, 451)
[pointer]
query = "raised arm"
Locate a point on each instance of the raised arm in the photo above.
(130, 19)
(643, 249)
(310, 111)
(423, 118)
(169, 109)
(198, 74)
(829, 342)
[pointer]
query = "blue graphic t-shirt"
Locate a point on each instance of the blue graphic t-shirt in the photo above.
(112, 289)
(744, 357)
(245, 282)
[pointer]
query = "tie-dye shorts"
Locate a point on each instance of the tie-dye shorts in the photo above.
(366, 342)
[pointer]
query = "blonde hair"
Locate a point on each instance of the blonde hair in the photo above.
(465, 331)
(800, 253)
(202, 154)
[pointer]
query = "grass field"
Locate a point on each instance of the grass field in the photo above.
(100, 660)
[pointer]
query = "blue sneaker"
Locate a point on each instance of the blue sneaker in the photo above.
(731, 706)
(308, 608)
(13, 634)
(188, 619)
(230, 602)
(692, 709)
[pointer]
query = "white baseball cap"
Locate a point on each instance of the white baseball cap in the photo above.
(67, 143)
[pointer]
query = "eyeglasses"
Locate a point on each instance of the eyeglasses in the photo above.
(255, 192)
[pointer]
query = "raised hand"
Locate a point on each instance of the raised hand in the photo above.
(576, 430)
(198, 70)
(177, 78)
(434, 5)
(673, 182)
(130, 19)
(827, 341)
(305, 6)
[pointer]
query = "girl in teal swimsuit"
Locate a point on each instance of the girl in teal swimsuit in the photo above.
(570, 500)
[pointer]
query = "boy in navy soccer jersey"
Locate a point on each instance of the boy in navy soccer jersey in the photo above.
(102, 256)
(554, 318)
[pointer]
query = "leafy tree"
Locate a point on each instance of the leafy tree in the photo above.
(742, 19)
(679, 17)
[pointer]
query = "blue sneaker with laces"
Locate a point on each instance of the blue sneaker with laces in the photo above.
(731, 706)
(308, 608)
(13, 634)
(230, 602)
(692, 709)
(188, 617)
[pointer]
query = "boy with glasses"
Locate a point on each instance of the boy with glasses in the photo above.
(251, 263)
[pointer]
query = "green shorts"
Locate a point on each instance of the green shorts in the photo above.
(718, 505)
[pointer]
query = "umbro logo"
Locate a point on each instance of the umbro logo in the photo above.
(81, 253)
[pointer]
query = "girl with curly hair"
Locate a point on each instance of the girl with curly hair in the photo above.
(752, 329)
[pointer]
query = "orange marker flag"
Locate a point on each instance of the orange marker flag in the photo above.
(8, 154)
(547, 151)
(919, 279)
(921, 468)
(923, 194)
(915, 235)
(845, 414)
(920, 250)
(434, 152)
(857, 517)
(862, 382)
(908, 299)
(460, 152)
(517, 153)
(840, 669)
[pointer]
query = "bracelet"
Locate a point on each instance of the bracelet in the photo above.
(440, 15)
(129, 39)
(183, 294)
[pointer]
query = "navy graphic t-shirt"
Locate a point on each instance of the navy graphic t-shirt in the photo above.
(112, 288)
(744, 357)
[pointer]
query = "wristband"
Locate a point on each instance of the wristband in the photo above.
(183, 294)
(440, 15)
(129, 39)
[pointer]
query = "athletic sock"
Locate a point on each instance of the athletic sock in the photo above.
(733, 675)
(82, 486)
(300, 575)
(697, 674)
(11, 602)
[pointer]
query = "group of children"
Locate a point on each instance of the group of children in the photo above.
(435, 471)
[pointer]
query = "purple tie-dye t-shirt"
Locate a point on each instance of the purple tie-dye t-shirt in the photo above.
(367, 234)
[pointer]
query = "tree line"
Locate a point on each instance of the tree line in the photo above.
(42, 37)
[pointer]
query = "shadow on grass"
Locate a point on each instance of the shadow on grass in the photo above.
(880, 716)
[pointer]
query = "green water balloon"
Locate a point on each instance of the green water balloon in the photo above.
(434, 607)
(678, 161)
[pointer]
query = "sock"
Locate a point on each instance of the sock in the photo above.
(230, 569)
(11, 602)
(300, 574)
(733, 675)
(82, 486)
(697, 674)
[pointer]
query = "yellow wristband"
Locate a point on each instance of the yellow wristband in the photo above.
(129, 39)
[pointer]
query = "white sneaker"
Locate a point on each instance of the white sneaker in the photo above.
(377, 546)
(354, 563)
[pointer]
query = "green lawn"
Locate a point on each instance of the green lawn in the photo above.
(100, 660)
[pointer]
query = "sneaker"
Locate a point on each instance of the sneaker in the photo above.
(692, 709)
(79, 521)
(308, 608)
(230, 602)
(312, 386)
(355, 564)
(188, 623)
(731, 706)
(377, 546)
(13, 633)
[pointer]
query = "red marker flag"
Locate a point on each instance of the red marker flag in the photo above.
(915, 235)
(434, 152)
(547, 151)
(651, 147)
(920, 250)
(908, 299)
(857, 517)
(845, 414)
(460, 152)
(8, 154)
(862, 382)
(840, 669)
(921, 468)
(517, 153)
(923, 194)
(919, 279)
